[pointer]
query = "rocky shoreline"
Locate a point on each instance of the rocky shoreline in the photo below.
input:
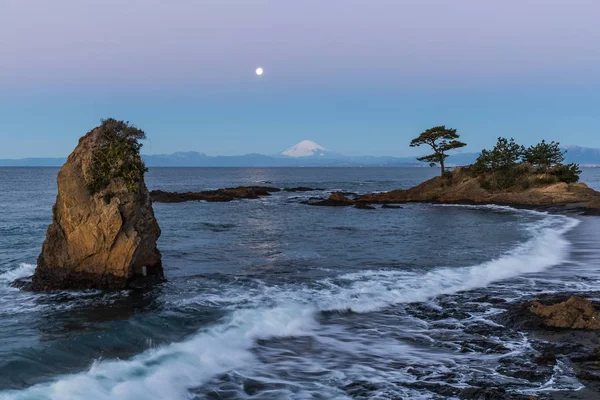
(222, 195)
(563, 328)
(457, 187)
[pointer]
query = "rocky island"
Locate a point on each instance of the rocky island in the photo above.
(103, 233)
(508, 174)
(461, 187)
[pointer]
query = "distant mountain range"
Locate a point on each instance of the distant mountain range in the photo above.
(304, 154)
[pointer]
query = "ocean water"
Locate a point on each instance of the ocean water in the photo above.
(272, 299)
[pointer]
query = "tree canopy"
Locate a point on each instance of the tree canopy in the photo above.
(118, 157)
(544, 155)
(503, 156)
(441, 140)
(509, 164)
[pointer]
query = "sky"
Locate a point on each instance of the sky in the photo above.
(358, 77)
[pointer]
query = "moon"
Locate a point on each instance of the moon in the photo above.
(259, 71)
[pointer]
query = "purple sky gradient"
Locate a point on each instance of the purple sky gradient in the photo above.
(360, 77)
(142, 42)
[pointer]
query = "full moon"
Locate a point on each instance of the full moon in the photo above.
(259, 71)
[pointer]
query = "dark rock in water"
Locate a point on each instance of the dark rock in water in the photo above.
(470, 393)
(588, 376)
(22, 283)
(101, 239)
(364, 206)
(337, 199)
(360, 389)
(529, 371)
(560, 326)
(391, 206)
(219, 195)
(300, 189)
(488, 299)
(594, 356)
(546, 358)
(492, 394)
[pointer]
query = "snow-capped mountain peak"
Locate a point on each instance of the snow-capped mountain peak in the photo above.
(305, 148)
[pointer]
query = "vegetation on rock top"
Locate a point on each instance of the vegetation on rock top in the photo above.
(509, 165)
(118, 157)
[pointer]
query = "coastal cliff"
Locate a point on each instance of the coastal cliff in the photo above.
(103, 233)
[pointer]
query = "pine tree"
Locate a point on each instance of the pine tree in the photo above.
(441, 140)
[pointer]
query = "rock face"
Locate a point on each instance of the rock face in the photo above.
(575, 313)
(102, 241)
(461, 188)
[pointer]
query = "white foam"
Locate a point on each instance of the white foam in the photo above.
(23, 271)
(171, 371)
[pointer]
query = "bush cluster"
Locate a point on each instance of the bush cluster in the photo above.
(118, 157)
(509, 164)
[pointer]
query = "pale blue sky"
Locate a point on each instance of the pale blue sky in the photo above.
(359, 77)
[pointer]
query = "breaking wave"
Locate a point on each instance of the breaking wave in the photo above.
(170, 372)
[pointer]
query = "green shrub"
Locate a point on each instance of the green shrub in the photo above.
(544, 155)
(568, 173)
(508, 165)
(118, 157)
(504, 156)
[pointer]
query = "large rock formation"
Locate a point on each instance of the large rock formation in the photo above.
(104, 240)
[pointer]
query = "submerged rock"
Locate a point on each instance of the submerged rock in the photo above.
(364, 206)
(219, 195)
(103, 233)
(336, 199)
(300, 189)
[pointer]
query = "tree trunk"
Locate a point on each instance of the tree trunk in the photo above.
(442, 166)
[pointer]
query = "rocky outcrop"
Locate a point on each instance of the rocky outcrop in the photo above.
(336, 199)
(460, 187)
(223, 195)
(219, 195)
(105, 240)
(364, 206)
(575, 313)
(561, 326)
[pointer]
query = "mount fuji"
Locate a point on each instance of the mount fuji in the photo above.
(308, 148)
(304, 154)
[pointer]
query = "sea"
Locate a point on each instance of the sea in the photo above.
(273, 299)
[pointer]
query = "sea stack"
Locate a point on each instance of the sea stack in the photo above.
(103, 233)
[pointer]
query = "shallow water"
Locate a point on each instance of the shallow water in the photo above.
(272, 299)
